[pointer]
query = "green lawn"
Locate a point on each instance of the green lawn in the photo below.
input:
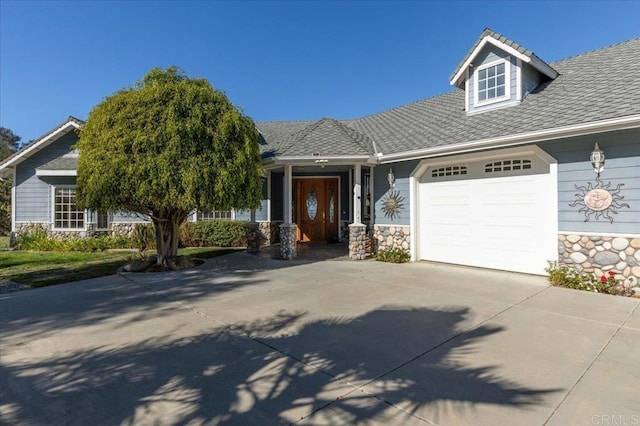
(39, 269)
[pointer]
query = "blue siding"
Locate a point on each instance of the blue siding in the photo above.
(33, 195)
(128, 217)
(530, 79)
(402, 172)
(622, 166)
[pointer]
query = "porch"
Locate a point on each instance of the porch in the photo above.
(311, 208)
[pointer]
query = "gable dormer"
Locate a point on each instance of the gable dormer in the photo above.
(498, 73)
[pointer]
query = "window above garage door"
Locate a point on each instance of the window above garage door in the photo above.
(482, 168)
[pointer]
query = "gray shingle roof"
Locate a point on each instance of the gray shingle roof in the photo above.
(323, 137)
(37, 142)
(61, 163)
(593, 86)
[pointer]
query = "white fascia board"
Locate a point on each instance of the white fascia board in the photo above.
(487, 39)
(38, 145)
(622, 123)
(56, 172)
(311, 161)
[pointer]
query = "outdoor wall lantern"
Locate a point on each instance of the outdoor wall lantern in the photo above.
(322, 163)
(597, 160)
(391, 178)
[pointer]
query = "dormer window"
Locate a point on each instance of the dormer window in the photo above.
(498, 73)
(493, 82)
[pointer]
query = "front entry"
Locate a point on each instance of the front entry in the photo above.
(316, 209)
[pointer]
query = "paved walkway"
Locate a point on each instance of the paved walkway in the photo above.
(248, 340)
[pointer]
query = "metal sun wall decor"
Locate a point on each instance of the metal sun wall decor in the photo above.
(392, 204)
(598, 200)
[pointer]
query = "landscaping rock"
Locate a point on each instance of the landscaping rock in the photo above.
(620, 243)
(137, 266)
(180, 262)
(606, 258)
(578, 257)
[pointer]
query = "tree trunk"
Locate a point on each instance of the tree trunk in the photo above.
(167, 238)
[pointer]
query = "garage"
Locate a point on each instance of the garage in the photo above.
(496, 211)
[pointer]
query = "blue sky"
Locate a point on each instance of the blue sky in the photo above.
(275, 60)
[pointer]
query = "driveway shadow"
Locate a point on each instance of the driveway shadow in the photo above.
(262, 373)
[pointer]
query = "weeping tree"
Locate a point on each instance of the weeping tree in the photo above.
(164, 148)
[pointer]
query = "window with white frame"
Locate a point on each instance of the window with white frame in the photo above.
(507, 166)
(215, 214)
(102, 220)
(66, 213)
(492, 82)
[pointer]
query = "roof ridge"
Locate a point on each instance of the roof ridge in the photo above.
(348, 131)
(301, 134)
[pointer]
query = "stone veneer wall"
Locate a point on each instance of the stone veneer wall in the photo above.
(357, 241)
(390, 236)
(600, 254)
(270, 232)
(61, 235)
(288, 244)
(123, 229)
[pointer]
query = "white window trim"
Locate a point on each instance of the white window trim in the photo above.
(507, 82)
(53, 210)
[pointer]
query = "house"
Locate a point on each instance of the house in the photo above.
(503, 172)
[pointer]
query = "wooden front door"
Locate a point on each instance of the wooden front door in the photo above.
(317, 209)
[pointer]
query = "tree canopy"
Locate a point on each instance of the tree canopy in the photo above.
(9, 143)
(166, 147)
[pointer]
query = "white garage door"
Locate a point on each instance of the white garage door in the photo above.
(496, 213)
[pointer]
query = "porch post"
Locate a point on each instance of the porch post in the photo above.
(357, 230)
(288, 229)
(357, 194)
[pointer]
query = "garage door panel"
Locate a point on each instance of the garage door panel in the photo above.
(500, 223)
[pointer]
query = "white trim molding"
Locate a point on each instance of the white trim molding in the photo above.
(13, 201)
(598, 234)
(40, 172)
(532, 60)
(507, 83)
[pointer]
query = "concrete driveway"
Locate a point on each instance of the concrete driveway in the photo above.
(246, 340)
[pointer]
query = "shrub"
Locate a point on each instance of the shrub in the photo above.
(37, 239)
(214, 233)
(565, 276)
(143, 236)
(393, 255)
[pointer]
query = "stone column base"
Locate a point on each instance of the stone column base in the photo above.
(357, 241)
(254, 237)
(288, 249)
